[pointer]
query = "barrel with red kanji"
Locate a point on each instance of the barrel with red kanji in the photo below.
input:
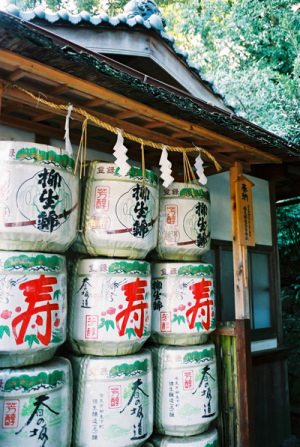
(110, 309)
(36, 405)
(184, 222)
(38, 197)
(186, 389)
(183, 303)
(120, 213)
(33, 307)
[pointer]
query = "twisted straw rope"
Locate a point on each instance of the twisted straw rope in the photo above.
(114, 130)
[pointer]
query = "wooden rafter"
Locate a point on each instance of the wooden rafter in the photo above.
(85, 87)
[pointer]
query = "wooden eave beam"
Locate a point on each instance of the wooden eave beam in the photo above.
(22, 97)
(58, 90)
(154, 124)
(48, 131)
(126, 115)
(16, 75)
(96, 102)
(34, 67)
(42, 117)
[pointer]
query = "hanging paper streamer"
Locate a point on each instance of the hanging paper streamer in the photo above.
(165, 168)
(120, 154)
(200, 170)
(68, 145)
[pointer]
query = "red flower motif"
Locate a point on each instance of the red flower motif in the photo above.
(56, 322)
(111, 310)
(6, 314)
(181, 307)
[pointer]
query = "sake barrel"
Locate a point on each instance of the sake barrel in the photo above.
(184, 222)
(38, 197)
(36, 405)
(120, 213)
(207, 439)
(32, 307)
(186, 391)
(110, 312)
(114, 403)
(183, 303)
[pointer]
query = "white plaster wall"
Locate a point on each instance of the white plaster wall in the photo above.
(8, 133)
(219, 186)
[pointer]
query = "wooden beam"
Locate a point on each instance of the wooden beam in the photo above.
(153, 125)
(1, 90)
(16, 75)
(18, 95)
(42, 117)
(240, 254)
(242, 312)
(126, 115)
(115, 98)
(181, 134)
(245, 433)
(215, 150)
(94, 102)
(51, 132)
(58, 90)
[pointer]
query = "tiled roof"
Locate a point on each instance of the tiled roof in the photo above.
(154, 22)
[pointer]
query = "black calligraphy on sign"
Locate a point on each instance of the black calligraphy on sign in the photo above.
(244, 207)
(136, 410)
(206, 391)
(157, 294)
(201, 224)
(50, 180)
(136, 211)
(40, 429)
(141, 195)
(84, 292)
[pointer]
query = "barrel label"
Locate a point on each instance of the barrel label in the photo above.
(191, 395)
(32, 310)
(118, 405)
(185, 304)
(35, 408)
(112, 306)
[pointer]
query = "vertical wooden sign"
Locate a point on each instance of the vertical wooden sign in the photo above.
(245, 219)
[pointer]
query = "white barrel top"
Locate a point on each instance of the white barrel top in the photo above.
(36, 405)
(114, 404)
(110, 310)
(183, 303)
(119, 213)
(38, 197)
(186, 389)
(33, 307)
(184, 222)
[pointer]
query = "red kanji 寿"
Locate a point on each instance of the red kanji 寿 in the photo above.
(200, 291)
(36, 291)
(134, 291)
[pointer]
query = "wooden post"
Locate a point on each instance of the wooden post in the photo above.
(1, 90)
(245, 435)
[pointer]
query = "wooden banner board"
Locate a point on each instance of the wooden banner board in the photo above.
(245, 219)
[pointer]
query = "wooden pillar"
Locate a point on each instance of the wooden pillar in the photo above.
(245, 433)
(1, 90)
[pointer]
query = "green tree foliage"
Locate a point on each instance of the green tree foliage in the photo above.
(288, 224)
(249, 47)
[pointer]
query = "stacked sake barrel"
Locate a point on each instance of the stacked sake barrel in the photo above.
(183, 315)
(110, 310)
(39, 208)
